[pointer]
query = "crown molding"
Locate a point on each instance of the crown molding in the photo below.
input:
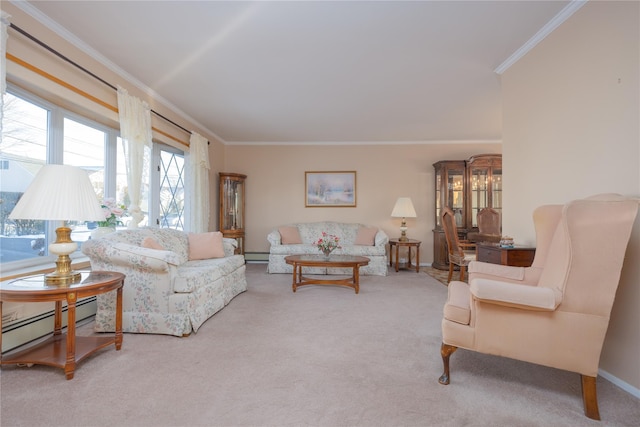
(369, 143)
(548, 28)
(52, 25)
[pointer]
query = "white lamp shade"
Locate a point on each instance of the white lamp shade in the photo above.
(403, 208)
(59, 192)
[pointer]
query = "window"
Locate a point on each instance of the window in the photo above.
(171, 187)
(34, 133)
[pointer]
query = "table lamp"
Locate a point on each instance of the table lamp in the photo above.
(403, 209)
(60, 193)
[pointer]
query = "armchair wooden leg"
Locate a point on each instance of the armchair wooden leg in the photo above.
(462, 272)
(590, 397)
(446, 351)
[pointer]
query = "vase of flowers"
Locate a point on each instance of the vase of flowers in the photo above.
(327, 243)
(113, 213)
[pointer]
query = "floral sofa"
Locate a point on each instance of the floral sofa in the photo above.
(174, 280)
(355, 239)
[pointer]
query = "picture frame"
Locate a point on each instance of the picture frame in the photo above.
(330, 189)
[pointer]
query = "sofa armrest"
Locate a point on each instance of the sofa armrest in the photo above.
(515, 295)
(127, 255)
(229, 246)
(381, 238)
(274, 238)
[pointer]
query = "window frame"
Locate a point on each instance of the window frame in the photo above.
(55, 155)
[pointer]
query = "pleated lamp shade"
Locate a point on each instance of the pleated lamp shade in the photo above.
(59, 192)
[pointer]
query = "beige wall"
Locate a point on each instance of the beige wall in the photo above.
(276, 181)
(571, 129)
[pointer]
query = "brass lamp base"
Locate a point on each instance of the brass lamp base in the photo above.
(63, 246)
(403, 231)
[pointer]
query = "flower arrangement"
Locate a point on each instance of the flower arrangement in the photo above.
(112, 213)
(327, 243)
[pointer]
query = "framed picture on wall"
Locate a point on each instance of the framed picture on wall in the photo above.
(330, 189)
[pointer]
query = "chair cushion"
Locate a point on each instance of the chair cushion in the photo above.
(458, 306)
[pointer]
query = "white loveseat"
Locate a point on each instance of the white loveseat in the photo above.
(165, 292)
(355, 239)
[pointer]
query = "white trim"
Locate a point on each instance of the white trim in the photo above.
(84, 47)
(635, 392)
(547, 29)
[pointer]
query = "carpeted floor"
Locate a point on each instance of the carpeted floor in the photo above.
(440, 275)
(322, 356)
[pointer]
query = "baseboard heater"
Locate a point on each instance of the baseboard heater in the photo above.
(33, 328)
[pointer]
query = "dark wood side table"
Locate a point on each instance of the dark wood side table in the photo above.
(409, 243)
(63, 350)
(518, 256)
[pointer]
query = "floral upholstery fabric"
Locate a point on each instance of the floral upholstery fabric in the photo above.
(164, 293)
(311, 232)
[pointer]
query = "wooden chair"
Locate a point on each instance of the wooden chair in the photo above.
(489, 228)
(461, 252)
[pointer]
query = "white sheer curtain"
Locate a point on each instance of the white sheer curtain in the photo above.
(197, 184)
(135, 131)
(4, 23)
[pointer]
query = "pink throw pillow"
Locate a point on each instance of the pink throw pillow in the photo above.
(151, 243)
(366, 236)
(289, 235)
(205, 245)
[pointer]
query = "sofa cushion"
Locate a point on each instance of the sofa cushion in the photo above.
(289, 235)
(196, 274)
(205, 245)
(366, 236)
(151, 243)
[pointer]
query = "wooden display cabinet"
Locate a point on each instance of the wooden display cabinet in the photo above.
(465, 186)
(232, 207)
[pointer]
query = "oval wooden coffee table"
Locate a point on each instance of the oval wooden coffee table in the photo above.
(340, 261)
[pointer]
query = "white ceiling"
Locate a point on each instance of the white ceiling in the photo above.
(327, 71)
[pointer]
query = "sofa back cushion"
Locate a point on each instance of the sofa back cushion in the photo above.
(312, 231)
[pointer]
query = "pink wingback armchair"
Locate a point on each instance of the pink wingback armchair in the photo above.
(556, 312)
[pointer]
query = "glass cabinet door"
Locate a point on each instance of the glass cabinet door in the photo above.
(450, 190)
(485, 185)
(232, 207)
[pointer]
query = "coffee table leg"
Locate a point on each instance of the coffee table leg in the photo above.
(294, 275)
(356, 278)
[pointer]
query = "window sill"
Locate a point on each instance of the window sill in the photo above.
(80, 263)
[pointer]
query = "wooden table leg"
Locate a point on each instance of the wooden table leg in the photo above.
(119, 318)
(294, 275)
(397, 251)
(57, 319)
(418, 259)
(70, 365)
(356, 278)
(391, 255)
